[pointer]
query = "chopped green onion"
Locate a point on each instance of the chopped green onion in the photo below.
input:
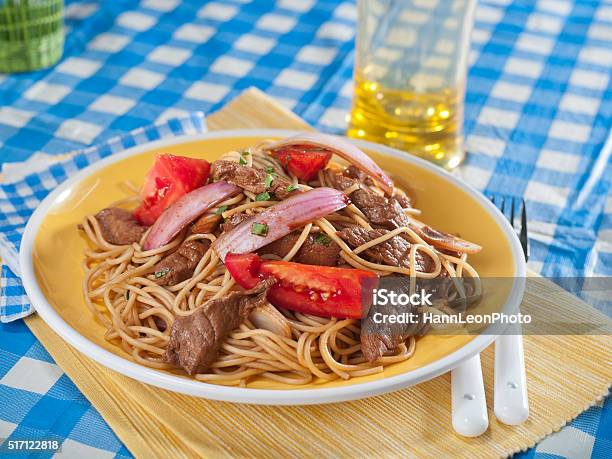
(322, 238)
(292, 187)
(269, 180)
(270, 170)
(259, 229)
(162, 272)
(265, 196)
(242, 162)
(245, 153)
(220, 210)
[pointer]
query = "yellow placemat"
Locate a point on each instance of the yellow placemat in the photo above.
(566, 375)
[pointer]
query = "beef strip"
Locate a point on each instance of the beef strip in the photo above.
(377, 338)
(195, 340)
(381, 211)
(233, 221)
(180, 264)
(119, 226)
(393, 252)
(355, 173)
(251, 179)
(316, 250)
(338, 181)
(388, 212)
(403, 200)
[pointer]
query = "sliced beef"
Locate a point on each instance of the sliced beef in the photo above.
(316, 250)
(403, 200)
(355, 173)
(393, 252)
(380, 336)
(376, 338)
(233, 221)
(180, 264)
(119, 226)
(251, 179)
(195, 339)
(338, 181)
(379, 210)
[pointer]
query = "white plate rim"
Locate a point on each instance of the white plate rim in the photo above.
(249, 395)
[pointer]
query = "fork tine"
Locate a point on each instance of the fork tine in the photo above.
(499, 201)
(523, 236)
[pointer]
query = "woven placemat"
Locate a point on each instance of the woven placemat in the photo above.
(566, 375)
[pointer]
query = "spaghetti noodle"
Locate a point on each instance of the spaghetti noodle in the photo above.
(120, 289)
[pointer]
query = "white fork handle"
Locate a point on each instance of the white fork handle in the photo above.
(510, 402)
(469, 406)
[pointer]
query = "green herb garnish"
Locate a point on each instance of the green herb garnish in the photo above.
(292, 187)
(259, 229)
(265, 196)
(322, 238)
(220, 210)
(161, 273)
(242, 162)
(269, 180)
(270, 170)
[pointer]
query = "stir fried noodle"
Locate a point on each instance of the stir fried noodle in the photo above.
(120, 289)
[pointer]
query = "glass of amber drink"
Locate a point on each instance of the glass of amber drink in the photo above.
(410, 72)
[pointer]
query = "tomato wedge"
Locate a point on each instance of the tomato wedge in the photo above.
(303, 161)
(170, 178)
(319, 290)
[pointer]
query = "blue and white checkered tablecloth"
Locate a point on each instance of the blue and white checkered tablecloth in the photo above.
(538, 119)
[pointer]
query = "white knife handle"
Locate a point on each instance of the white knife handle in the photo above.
(510, 402)
(469, 406)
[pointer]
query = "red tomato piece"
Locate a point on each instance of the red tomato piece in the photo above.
(303, 161)
(319, 290)
(244, 268)
(170, 178)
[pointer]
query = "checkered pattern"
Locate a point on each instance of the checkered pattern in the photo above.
(19, 200)
(39, 401)
(538, 116)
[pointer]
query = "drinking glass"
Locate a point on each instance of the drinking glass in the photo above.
(410, 72)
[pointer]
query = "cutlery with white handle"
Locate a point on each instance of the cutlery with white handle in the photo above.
(510, 400)
(469, 406)
(510, 403)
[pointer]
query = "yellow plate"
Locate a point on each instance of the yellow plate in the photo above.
(52, 253)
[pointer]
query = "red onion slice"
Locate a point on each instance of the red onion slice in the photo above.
(342, 148)
(280, 220)
(185, 210)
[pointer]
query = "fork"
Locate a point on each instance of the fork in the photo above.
(469, 406)
(510, 403)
